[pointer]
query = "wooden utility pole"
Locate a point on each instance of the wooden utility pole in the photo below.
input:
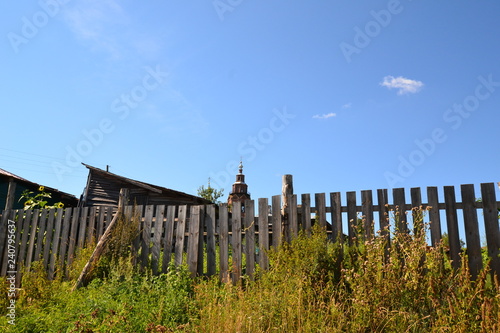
(101, 245)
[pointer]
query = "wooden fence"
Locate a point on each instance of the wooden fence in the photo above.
(192, 234)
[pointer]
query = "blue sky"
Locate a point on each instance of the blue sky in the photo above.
(344, 95)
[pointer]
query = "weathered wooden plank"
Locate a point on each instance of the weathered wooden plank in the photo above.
(211, 248)
(250, 237)
(83, 226)
(276, 220)
(236, 241)
(471, 230)
(157, 232)
(193, 240)
(434, 216)
(72, 237)
(452, 224)
(91, 228)
(367, 211)
(224, 242)
(263, 233)
(201, 242)
(40, 235)
(101, 221)
(320, 202)
(305, 213)
(383, 218)
(490, 213)
(7, 215)
(23, 246)
(55, 243)
(400, 209)
(179, 236)
(168, 238)
(135, 216)
(19, 219)
(417, 213)
(352, 216)
(31, 241)
(293, 220)
(49, 234)
(66, 225)
(336, 213)
(146, 235)
(3, 235)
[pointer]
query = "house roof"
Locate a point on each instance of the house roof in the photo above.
(149, 187)
(20, 179)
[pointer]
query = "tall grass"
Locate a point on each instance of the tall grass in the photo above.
(312, 285)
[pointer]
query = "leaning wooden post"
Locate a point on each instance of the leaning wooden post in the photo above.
(286, 195)
(101, 245)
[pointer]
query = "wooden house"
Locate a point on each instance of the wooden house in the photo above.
(12, 187)
(103, 189)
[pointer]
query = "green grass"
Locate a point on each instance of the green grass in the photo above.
(307, 289)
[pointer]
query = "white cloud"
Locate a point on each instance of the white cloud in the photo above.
(325, 116)
(404, 85)
(347, 106)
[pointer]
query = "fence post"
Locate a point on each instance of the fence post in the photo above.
(286, 194)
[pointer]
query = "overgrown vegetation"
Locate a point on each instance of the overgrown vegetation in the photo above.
(313, 285)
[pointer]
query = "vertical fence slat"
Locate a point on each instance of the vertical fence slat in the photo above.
(211, 249)
(293, 217)
(383, 218)
(25, 234)
(224, 242)
(452, 224)
(250, 237)
(193, 240)
(72, 237)
(146, 235)
(83, 225)
(168, 238)
(135, 215)
(3, 236)
(236, 241)
(320, 203)
(41, 231)
(65, 235)
(417, 214)
(158, 230)
(55, 242)
(263, 233)
(49, 234)
(201, 242)
(91, 226)
(9, 215)
(400, 209)
(471, 230)
(100, 223)
(352, 215)
(490, 212)
(276, 220)
(305, 212)
(336, 213)
(367, 204)
(179, 235)
(434, 216)
(31, 241)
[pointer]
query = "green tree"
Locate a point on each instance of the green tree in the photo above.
(210, 193)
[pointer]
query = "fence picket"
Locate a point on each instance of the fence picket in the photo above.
(158, 230)
(367, 204)
(305, 214)
(146, 235)
(276, 220)
(471, 230)
(211, 248)
(490, 212)
(224, 242)
(250, 237)
(236, 241)
(263, 233)
(352, 215)
(179, 236)
(55, 243)
(434, 217)
(168, 238)
(193, 240)
(337, 232)
(452, 224)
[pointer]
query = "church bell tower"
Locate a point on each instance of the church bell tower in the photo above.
(239, 190)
